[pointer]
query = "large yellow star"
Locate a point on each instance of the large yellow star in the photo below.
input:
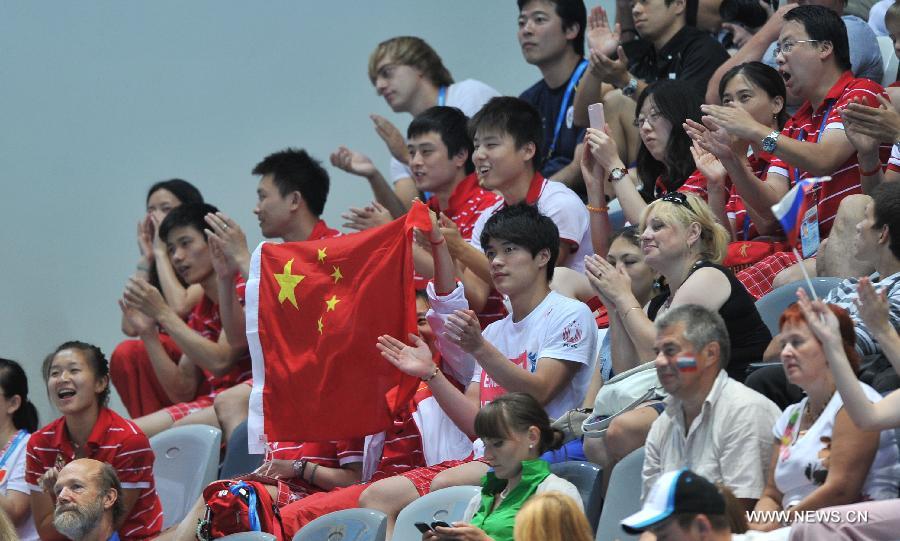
(336, 274)
(288, 282)
(320, 325)
(332, 302)
(322, 254)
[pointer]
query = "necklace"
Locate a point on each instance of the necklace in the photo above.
(813, 417)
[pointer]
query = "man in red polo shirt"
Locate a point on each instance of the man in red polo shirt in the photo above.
(813, 57)
(292, 192)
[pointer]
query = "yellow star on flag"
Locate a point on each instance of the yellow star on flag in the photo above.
(332, 302)
(288, 282)
(320, 325)
(336, 274)
(322, 254)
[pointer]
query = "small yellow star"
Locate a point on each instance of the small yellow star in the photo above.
(322, 254)
(320, 325)
(288, 283)
(336, 274)
(332, 302)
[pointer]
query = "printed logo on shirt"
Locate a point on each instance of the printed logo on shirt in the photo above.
(572, 335)
(570, 116)
(490, 389)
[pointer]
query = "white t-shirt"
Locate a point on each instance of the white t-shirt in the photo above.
(468, 96)
(564, 207)
(559, 328)
(14, 479)
(800, 469)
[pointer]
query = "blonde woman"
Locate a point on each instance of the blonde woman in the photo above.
(552, 516)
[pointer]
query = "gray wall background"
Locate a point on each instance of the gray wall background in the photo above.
(99, 99)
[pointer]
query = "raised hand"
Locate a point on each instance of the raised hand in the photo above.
(600, 37)
(414, 360)
(603, 147)
(881, 123)
(367, 217)
(353, 162)
(450, 231)
(874, 308)
(594, 175)
(736, 121)
(145, 233)
(140, 323)
(392, 137)
(710, 166)
(142, 296)
(462, 328)
(229, 238)
(614, 72)
(609, 282)
(821, 321)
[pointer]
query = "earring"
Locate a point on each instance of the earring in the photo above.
(531, 446)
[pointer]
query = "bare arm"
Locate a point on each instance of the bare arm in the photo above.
(771, 496)
(754, 49)
(16, 505)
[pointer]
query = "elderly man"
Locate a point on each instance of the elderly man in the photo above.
(712, 424)
(88, 507)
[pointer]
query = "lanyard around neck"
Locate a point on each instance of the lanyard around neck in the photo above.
(563, 107)
(442, 96)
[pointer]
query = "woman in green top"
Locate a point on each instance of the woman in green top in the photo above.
(516, 431)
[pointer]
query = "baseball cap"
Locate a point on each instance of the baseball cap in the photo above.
(675, 492)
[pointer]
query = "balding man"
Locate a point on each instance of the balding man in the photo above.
(88, 506)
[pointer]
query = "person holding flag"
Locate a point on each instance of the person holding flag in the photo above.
(814, 59)
(545, 347)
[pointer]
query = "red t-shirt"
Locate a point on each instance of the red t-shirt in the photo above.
(322, 231)
(806, 124)
(735, 207)
(465, 205)
(204, 319)
(113, 440)
(695, 184)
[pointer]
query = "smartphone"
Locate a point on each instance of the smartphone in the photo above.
(422, 527)
(596, 116)
(439, 524)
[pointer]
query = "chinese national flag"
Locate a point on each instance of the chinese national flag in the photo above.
(314, 311)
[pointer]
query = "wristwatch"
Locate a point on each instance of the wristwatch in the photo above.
(770, 141)
(630, 89)
(617, 174)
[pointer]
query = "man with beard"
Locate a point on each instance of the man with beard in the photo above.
(88, 506)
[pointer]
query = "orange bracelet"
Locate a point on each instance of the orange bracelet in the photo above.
(592, 208)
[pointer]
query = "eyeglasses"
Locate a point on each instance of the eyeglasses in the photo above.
(788, 46)
(651, 119)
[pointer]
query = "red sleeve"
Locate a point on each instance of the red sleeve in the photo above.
(34, 467)
(240, 288)
(695, 184)
(861, 89)
(349, 451)
(134, 461)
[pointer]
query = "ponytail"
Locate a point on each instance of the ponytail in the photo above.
(13, 381)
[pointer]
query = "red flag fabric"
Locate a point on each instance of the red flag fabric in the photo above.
(314, 311)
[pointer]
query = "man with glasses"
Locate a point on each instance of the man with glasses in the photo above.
(814, 60)
(865, 55)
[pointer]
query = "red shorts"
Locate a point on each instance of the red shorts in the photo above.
(183, 409)
(758, 277)
(422, 477)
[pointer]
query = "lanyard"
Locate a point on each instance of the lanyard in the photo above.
(442, 95)
(573, 80)
(802, 137)
(11, 446)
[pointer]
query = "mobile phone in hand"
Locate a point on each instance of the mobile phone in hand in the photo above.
(422, 527)
(440, 524)
(596, 116)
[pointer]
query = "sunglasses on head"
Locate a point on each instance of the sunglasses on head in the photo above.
(676, 197)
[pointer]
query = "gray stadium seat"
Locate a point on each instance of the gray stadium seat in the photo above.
(187, 459)
(238, 459)
(588, 479)
(623, 497)
(448, 504)
(346, 525)
(773, 303)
